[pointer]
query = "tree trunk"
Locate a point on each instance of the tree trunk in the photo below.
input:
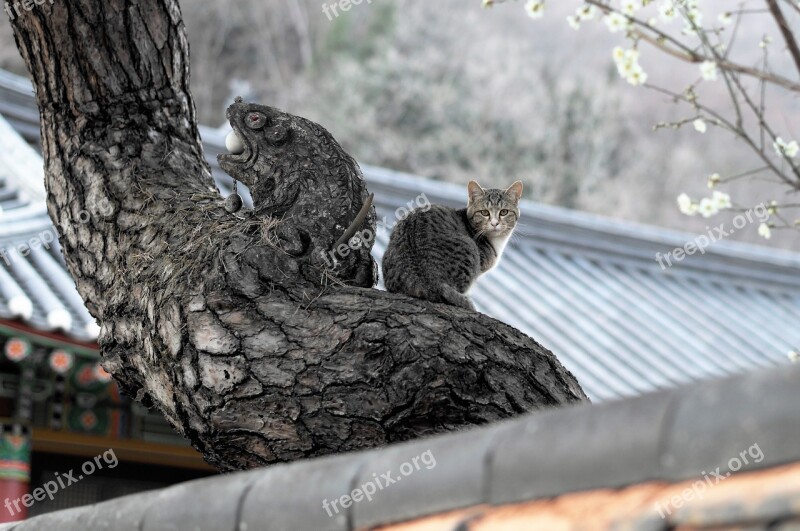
(249, 351)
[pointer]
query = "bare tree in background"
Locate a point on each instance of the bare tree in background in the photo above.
(272, 42)
(681, 31)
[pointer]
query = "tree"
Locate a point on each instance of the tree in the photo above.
(252, 353)
(715, 48)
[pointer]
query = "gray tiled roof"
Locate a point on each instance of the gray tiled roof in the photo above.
(589, 289)
(669, 436)
(585, 286)
(34, 285)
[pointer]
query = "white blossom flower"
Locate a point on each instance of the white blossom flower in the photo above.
(694, 21)
(764, 231)
(587, 12)
(574, 22)
(686, 205)
(637, 76)
(773, 207)
(667, 11)
(629, 7)
(788, 149)
(765, 42)
(725, 18)
(487, 4)
(708, 69)
(535, 8)
(707, 207)
(793, 356)
(713, 180)
(700, 125)
(721, 200)
(616, 22)
(628, 66)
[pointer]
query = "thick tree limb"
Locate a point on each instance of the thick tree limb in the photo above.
(248, 350)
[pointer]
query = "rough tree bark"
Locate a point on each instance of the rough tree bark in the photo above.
(247, 354)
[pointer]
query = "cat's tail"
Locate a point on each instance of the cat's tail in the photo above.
(451, 295)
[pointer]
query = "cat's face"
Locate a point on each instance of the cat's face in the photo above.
(493, 212)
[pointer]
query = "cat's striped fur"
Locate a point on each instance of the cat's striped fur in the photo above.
(437, 254)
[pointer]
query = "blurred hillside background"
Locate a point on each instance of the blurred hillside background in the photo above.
(451, 91)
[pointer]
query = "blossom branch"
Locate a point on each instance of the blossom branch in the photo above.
(711, 48)
(659, 39)
(739, 132)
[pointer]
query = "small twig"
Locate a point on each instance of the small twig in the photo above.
(788, 36)
(743, 175)
(726, 75)
(765, 127)
(734, 34)
(763, 89)
(793, 4)
(728, 125)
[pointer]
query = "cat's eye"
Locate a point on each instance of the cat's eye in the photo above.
(484, 213)
(504, 212)
(255, 120)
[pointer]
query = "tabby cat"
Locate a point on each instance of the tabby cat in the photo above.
(437, 254)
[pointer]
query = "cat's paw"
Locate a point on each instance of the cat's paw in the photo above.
(452, 296)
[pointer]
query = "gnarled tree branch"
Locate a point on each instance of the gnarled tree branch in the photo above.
(246, 346)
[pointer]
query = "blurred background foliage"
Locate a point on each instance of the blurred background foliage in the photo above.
(453, 92)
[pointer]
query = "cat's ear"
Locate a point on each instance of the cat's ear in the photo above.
(515, 190)
(474, 189)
